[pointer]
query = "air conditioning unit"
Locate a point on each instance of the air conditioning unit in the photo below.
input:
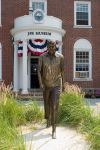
(83, 75)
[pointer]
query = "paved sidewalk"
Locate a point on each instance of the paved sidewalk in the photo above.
(67, 139)
(94, 104)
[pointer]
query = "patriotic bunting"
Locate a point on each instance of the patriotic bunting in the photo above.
(35, 46)
(20, 48)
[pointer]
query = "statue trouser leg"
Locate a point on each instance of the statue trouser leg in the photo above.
(54, 103)
(46, 95)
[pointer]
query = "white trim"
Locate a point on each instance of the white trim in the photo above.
(82, 26)
(15, 71)
(82, 79)
(45, 4)
(0, 13)
(74, 60)
(0, 62)
(38, 27)
(24, 69)
(29, 57)
(82, 44)
(89, 13)
(90, 62)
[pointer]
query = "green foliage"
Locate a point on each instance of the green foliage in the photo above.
(71, 109)
(12, 114)
(91, 127)
(73, 112)
(94, 137)
(33, 113)
(16, 113)
(89, 123)
(10, 138)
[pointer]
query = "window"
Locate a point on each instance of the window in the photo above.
(0, 62)
(38, 4)
(82, 60)
(82, 13)
(82, 64)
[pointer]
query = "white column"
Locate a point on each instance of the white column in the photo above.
(15, 77)
(24, 70)
(29, 55)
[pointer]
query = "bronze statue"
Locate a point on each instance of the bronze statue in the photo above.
(51, 78)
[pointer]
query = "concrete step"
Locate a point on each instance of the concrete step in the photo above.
(31, 95)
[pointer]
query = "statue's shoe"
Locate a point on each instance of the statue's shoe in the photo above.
(48, 123)
(54, 135)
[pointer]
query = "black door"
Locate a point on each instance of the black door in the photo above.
(34, 73)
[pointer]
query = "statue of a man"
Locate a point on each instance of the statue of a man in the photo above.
(51, 78)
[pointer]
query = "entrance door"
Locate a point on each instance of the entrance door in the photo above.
(34, 73)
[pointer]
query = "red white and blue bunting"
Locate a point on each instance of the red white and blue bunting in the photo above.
(20, 48)
(35, 46)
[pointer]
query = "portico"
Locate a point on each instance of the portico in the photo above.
(33, 37)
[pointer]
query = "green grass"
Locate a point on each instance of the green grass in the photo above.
(74, 112)
(12, 115)
(94, 137)
(33, 113)
(71, 109)
(9, 137)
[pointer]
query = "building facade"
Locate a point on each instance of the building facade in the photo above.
(27, 25)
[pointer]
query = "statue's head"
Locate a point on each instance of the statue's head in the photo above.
(51, 47)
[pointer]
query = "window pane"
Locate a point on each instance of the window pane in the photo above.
(80, 22)
(38, 5)
(82, 7)
(82, 75)
(82, 64)
(82, 15)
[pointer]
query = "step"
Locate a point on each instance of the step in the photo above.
(30, 95)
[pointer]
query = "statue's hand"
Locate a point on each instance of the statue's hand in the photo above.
(42, 87)
(63, 88)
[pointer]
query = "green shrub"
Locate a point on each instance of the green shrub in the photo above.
(16, 113)
(33, 113)
(12, 114)
(94, 137)
(89, 123)
(71, 109)
(20, 116)
(73, 112)
(10, 138)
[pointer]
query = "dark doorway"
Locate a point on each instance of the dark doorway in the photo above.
(34, 73)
